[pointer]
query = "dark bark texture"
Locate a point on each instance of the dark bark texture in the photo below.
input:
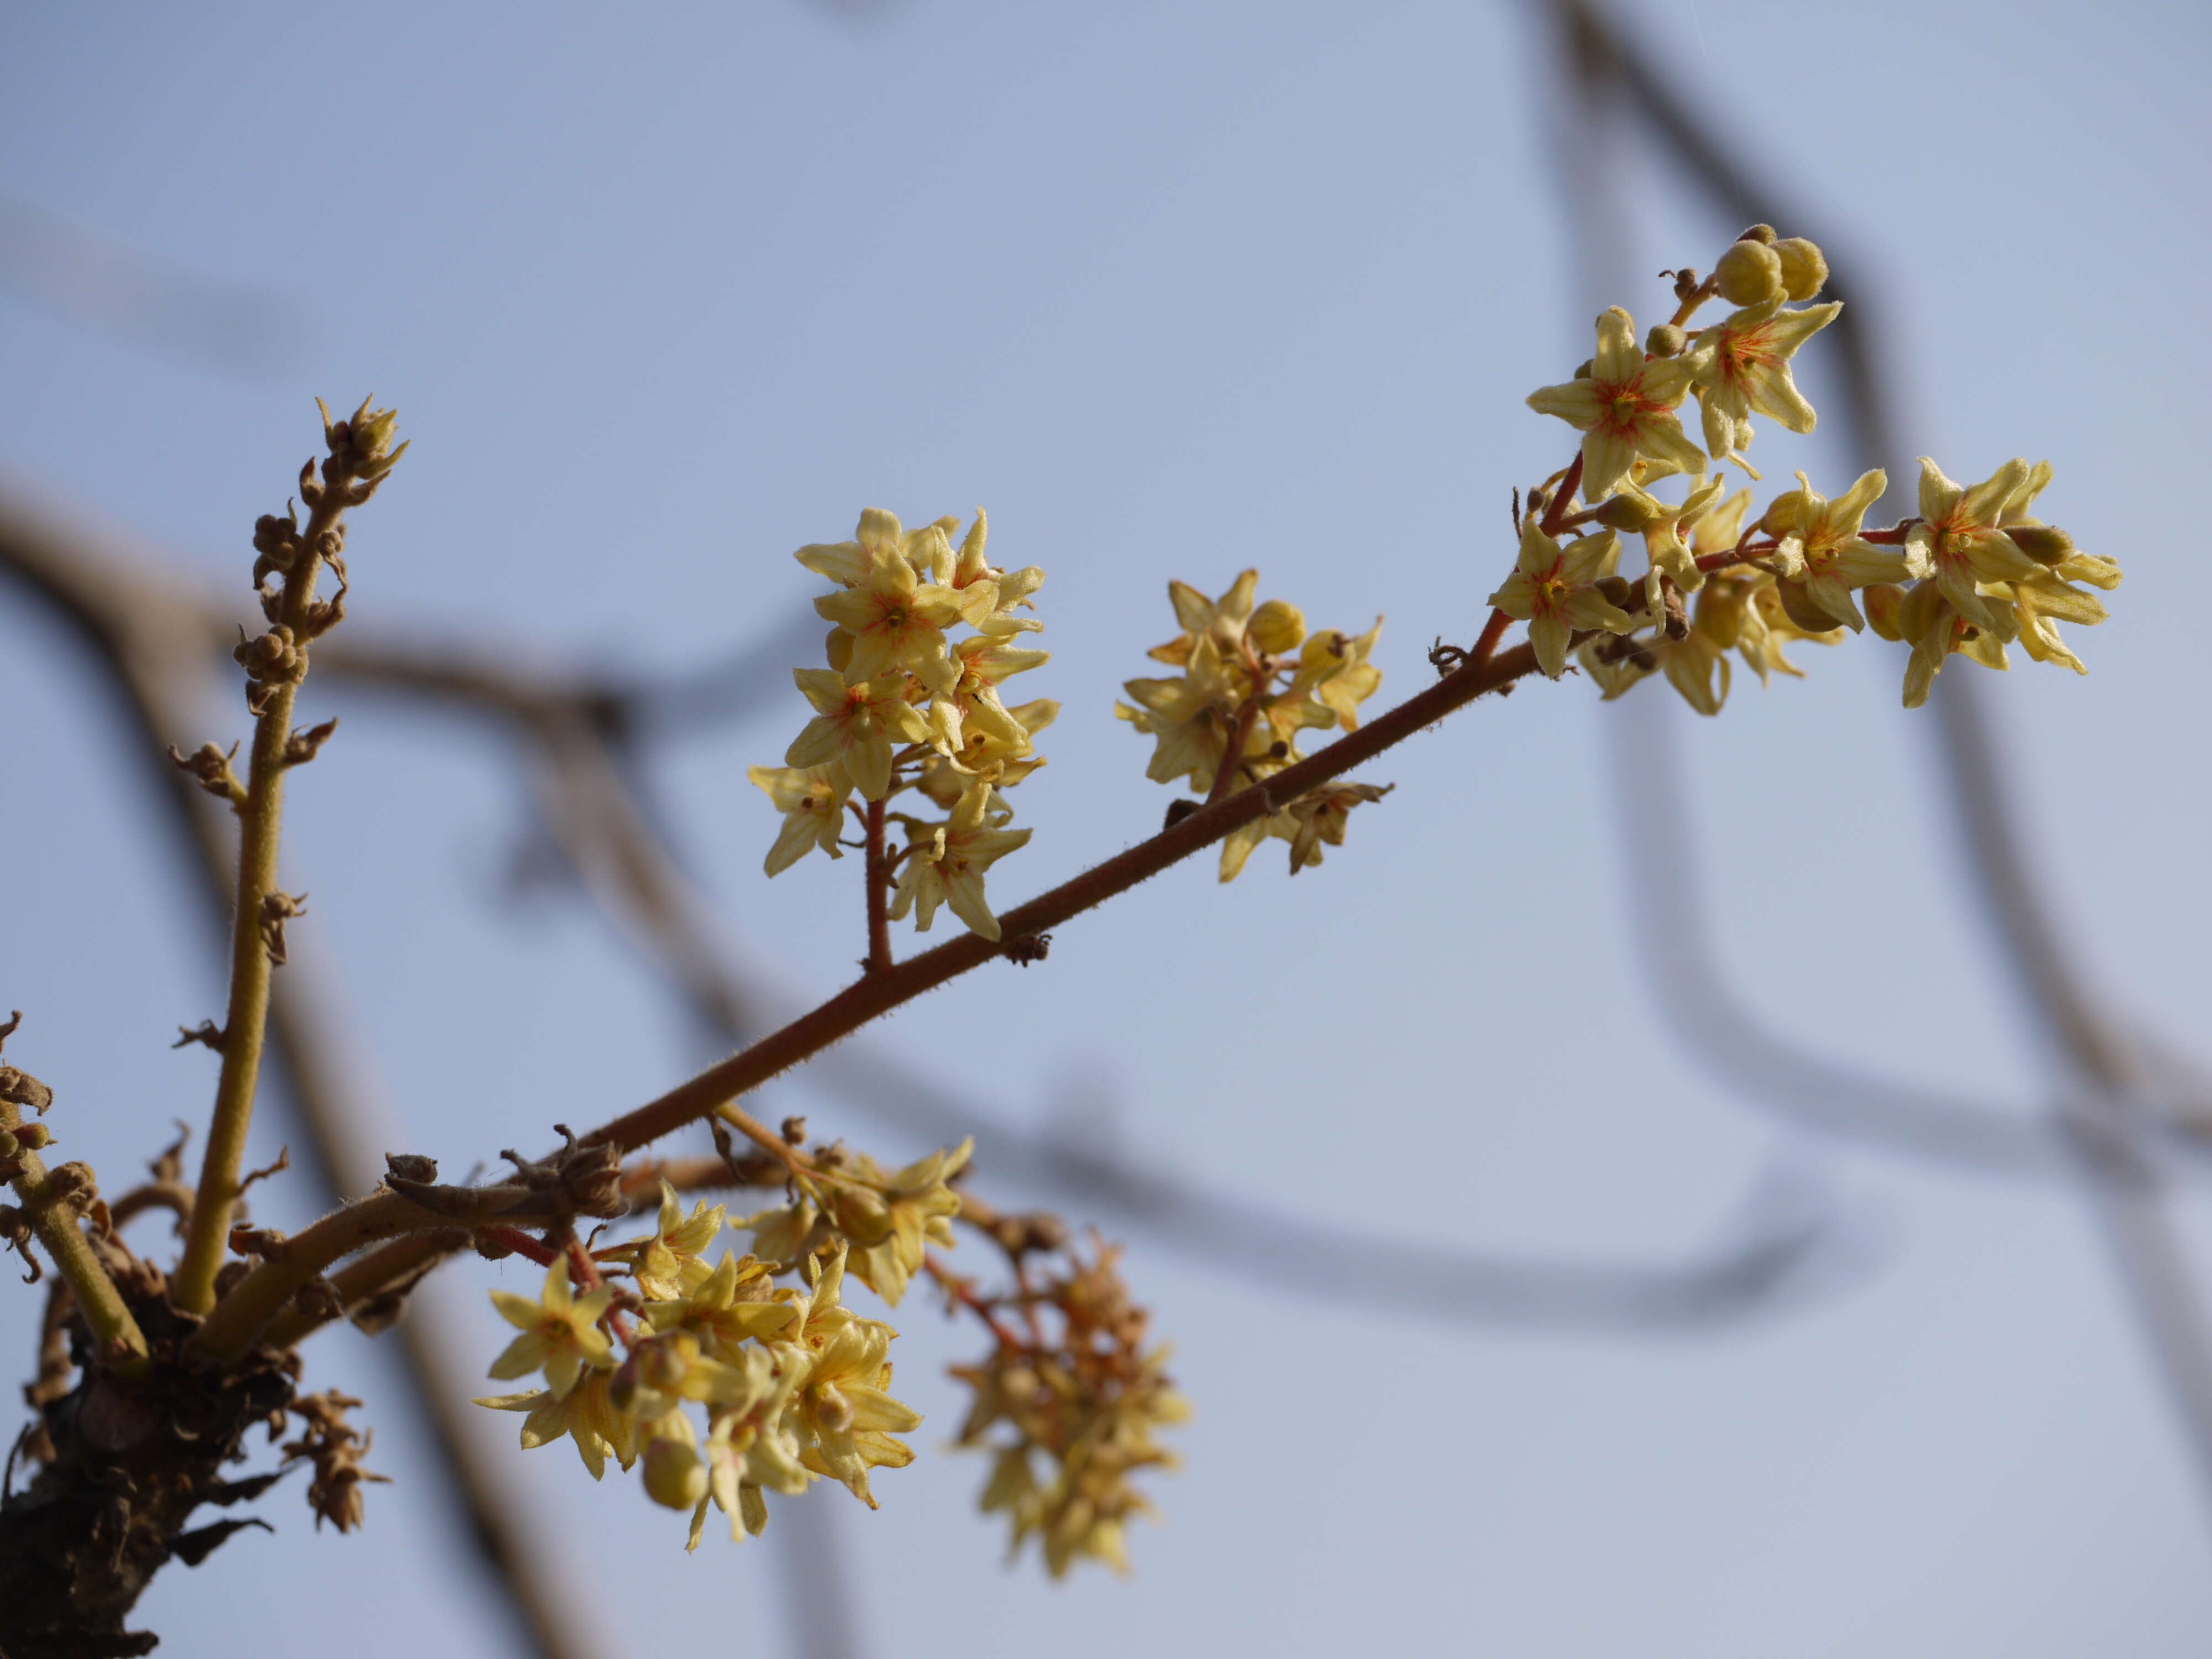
(125, 1466)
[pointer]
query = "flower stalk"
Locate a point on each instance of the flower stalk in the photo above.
(358, 460)
(54, 1221)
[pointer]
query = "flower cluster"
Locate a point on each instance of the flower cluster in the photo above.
(792, 1385)
(1972, 573)
(1253, 679)
(906, 704)
(1068, 1403)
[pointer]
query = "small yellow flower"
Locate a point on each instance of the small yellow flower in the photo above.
(560, 1332)
(1745, 370)
(1625, 407)
(671, 1262)
(1322, 816)
(895, 621)
(1554, 591)
(1958, 541)
(1334, 667)
(849, 563)
(732, 1306)
(587, 1414)
(855, 726)
(948, 867)
(1824, 550)
(812, 801)
(1187, 717)
(1222, 620)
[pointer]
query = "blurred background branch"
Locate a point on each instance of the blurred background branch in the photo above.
(2104, 1124)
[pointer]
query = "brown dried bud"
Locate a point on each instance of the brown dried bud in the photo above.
(21, 1089)
(73, 1185)
(589, 1176)
(1686, 282)
(303, 746)
(1585, 369)
(209, 768)
(278, 908)
(410, 1166)
(1618, 591)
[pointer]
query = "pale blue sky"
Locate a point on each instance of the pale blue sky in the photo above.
(1172, 290)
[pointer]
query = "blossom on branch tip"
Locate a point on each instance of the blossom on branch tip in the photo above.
(1554, 590)
(1958, 541)
(895, 621)
(1744, 369)
(1625, 407)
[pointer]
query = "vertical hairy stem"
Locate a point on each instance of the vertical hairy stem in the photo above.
(878, 876)
(246, 1020)
(119, 1340)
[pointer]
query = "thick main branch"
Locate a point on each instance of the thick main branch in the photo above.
(878, 994)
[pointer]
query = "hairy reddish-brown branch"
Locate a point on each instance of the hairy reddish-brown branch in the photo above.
(877, 879)
(876, 994)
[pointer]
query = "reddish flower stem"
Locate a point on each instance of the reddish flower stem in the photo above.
(514, 1238)
(957, 1288)
(1232, 758)
(878, 876)
(1555, 514)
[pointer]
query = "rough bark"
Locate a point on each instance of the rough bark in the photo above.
(131, 1462)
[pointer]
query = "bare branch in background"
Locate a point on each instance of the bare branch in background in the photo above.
(152, 646)
(2107, 1127)
(94, 280)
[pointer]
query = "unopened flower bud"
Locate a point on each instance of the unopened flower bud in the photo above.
(1798, 604)
(31, 1137)
(1883, 601)
(1277, 627)
(1624, 513)
(840, 645)
(1720, 614)
(1923, 602)
(861, 1215)
(1763, 234)
(1665, 340)
(1804, 268)
(1750, 274)
(674, 1475)
(1785, 513)
(2046, 544)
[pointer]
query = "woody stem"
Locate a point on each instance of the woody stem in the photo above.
(1232, 758)
(877, 875)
